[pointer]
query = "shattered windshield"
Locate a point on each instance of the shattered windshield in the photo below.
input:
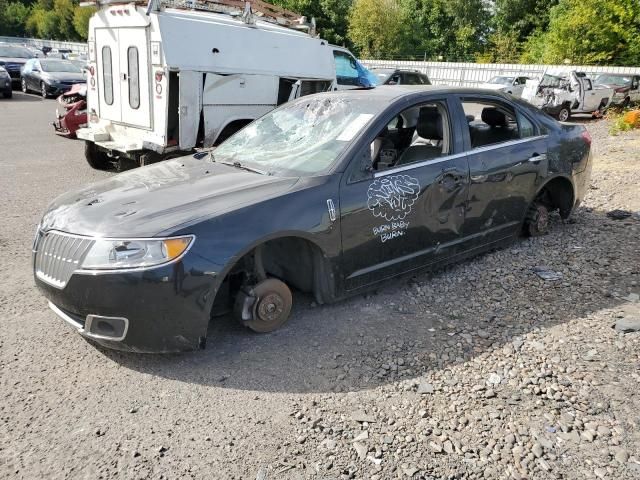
(618, 80)
(502, 80)
(303, 138)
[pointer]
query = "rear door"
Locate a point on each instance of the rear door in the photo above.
(123, 75)
(134, 77)
(108, 72)
(507, 155)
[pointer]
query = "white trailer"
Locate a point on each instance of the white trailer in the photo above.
(562, 93)
(169, 77)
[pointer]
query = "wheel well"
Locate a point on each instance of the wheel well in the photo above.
(231, 128)
(296, 261)
(557, 194)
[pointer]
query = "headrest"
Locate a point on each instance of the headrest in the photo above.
(430, 123)
(494, 117)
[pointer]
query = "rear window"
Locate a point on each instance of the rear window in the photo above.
(10, 51)
(107, 75)
(134, 77)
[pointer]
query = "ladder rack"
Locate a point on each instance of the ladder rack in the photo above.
(248, 11)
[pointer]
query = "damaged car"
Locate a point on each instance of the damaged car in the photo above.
(564, 93)
(511, 85)
(330, 194)
(626, 87)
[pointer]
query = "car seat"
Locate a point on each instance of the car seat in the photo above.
(429, 130)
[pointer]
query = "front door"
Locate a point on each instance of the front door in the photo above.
(123, 75)
(590, 98)
(507, 156)
(409, 211)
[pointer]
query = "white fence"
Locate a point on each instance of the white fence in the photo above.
(441, 73)
(473, 74)
(75, 47)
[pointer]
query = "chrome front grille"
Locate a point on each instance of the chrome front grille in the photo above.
(58, 255)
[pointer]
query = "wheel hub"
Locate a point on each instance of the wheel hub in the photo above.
(270, 307)
(543, 220)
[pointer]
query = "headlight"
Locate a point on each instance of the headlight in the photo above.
(135, 253)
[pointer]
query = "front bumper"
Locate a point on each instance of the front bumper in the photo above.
(57, 88)
(160, 310)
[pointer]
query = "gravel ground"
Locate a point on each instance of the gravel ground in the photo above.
(482, 370)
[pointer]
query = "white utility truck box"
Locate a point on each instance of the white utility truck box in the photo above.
(170, 76)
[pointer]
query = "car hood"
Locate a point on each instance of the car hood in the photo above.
(622, 88)
(65, 76)
(160, 199)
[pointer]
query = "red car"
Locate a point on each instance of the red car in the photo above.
(74, 115)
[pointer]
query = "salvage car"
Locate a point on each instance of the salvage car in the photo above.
(50, 77)
(74, 111)
(511, 85)
(330, 194)
(563, 93)
(396, 76)
(626, 87)
(5, 83)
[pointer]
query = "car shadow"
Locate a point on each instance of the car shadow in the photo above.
(18, 96)
(414, 325)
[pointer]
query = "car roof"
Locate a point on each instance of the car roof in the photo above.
(393, 92)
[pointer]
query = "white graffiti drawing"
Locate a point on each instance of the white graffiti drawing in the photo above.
(393, 197)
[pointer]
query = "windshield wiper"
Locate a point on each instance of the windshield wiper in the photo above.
(245, 167)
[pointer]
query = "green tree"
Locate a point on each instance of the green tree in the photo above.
(521, 17)
(81, 17)
(446, 29)
(13, 17)
(377, 27)
(598, 31)
(331, 16)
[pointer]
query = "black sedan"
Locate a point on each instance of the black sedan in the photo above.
(396, 76)
(5, 83)
(50, 77)
(13, 58)
(330, 194)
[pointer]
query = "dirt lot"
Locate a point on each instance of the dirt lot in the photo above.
(481, 371)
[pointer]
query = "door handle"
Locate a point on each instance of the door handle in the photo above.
(536, 158)
(451, 181)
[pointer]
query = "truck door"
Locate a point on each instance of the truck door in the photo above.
(190, 106)
(134, 77)
(108, 61)
(123, 75)
(590, 100)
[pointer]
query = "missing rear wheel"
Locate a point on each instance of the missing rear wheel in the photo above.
(537, 221)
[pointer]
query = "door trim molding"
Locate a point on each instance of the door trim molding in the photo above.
(487, 148)
(394, 261)
(412, 166)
